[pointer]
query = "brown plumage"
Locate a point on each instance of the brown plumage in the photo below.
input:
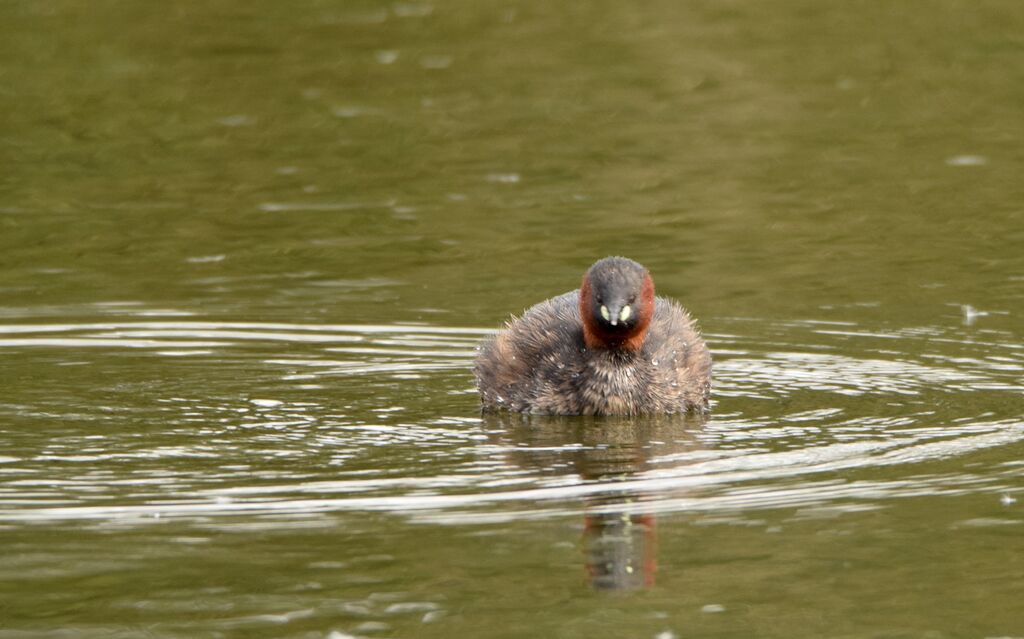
(609, 348)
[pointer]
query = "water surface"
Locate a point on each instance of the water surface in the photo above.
(246, 253)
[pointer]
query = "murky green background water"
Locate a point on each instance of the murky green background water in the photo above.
(246, 249)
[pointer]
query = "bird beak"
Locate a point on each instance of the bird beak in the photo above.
(615, 314)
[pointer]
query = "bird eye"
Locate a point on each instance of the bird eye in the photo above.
(632, 298)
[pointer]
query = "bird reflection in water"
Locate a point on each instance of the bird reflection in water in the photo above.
(619, 532)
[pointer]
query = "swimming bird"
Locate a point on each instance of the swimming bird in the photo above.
(610, 347)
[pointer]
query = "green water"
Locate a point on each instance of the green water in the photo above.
(246, 250)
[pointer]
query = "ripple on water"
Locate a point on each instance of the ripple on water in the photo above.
(284, 422)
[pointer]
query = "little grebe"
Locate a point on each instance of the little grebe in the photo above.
(609, 348)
